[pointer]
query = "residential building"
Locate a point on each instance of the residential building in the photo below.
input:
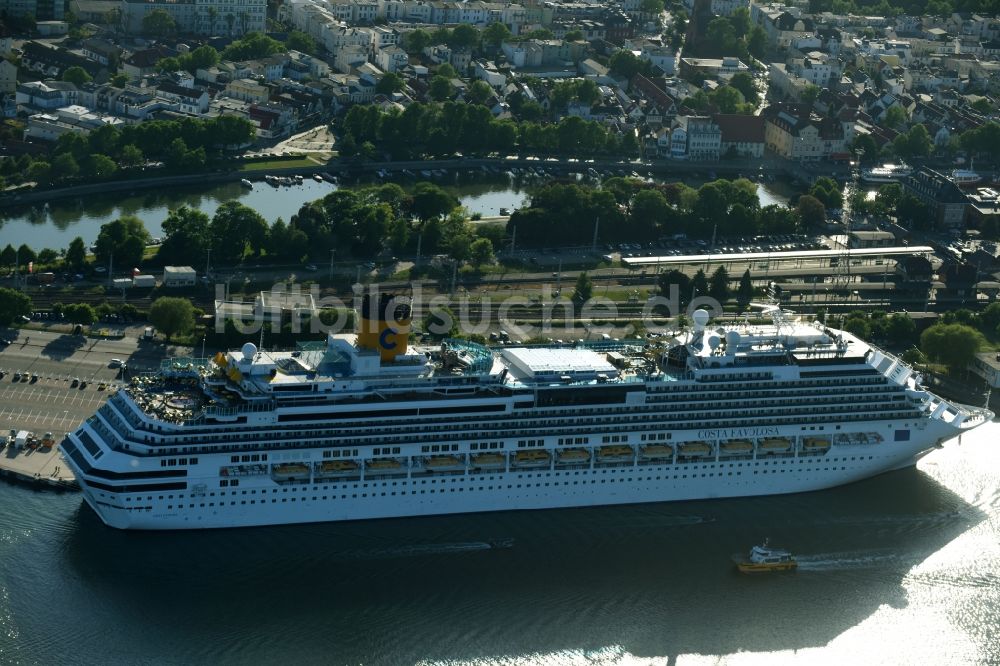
(72, 119)
(740, 135)
(248, 90)
(794, 132)
(714, 68)
(8, 76)
(946, 201)
(42, 10)
(695, 138)
(391, 59)
(187, 100)
(204, 17)
(46, 95)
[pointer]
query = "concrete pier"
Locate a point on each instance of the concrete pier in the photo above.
(43, 466)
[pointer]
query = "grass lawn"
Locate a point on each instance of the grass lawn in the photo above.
(279, 164)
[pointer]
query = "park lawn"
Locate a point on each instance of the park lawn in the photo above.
(279, 164)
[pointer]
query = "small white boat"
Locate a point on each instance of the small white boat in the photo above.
(246, 183)
(886, 173)
(965, 177)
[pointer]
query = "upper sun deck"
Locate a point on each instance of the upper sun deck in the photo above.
(252, 379)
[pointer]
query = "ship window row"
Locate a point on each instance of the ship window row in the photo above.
(689, 420)
(530, 443)
(485, 446)
(133, 420)
(436, 448)
(635, 413)
(564, 441)
(657, 437)
(716, 470)
(450, 425)
(385, 450)
(341, 453)
(173, 462)
(254, 457)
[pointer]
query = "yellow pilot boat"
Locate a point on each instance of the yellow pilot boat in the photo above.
(765, 559)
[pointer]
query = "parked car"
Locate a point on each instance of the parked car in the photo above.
(116, 363)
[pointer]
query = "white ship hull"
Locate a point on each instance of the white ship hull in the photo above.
(266, 502)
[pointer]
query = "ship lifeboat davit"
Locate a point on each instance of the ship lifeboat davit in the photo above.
(572, 457)
(815, 444)
(694, 449)
(734, 446)
(775, 445)
(657, 452)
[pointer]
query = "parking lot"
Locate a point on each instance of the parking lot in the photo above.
(52, 402)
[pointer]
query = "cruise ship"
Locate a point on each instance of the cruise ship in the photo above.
(365, 426)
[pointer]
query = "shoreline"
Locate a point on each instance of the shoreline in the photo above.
(340, 169)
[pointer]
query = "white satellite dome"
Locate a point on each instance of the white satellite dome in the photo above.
(700, 317)
(733, 338)
(714, 341)
(249, 351)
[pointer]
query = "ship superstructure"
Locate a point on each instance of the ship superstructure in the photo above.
(364, 426)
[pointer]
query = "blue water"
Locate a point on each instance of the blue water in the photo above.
(901, 569)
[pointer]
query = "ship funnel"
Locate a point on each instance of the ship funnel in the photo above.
(384, 325)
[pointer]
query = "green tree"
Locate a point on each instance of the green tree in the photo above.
(811, 210)
(479, 92)
(464, 36)
(416, 41)
(573, 36)
(235, 230)
(119, 80)
(429, 200)
(955, 345)
(584, 288)
(76, 75)
(80, 313)
(202, 57)
(131, 156)
(900, 328)
(718, 286)
(186, 238)
(124, 240)
(172, 316)
(64, 166)
(8, 255)
(159, 23)
(99, 166)
(746, 85)
(627, 64)
(390, 83)
(757, 42)
(652, 6)
(916, 142)
(495, 34)
(13, 306)
(39, 172)
(699, 284)
(252, 45)
(76, 254)
(744, 294)
(809, 95)
(895, 116)
(25, 254)
(300, 41)
(481, 251)
(441, 89)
